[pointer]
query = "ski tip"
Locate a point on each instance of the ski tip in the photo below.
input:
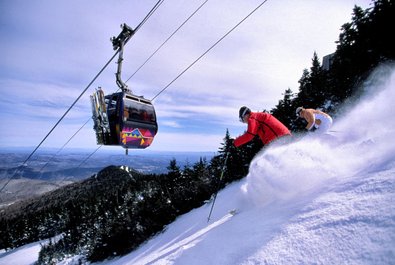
(233, 211)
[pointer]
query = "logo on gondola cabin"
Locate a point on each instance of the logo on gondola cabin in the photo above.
(133, 135)
(136, 134)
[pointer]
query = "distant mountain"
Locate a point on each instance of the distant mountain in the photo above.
(46, 172)
(24, 188)
(78, 165)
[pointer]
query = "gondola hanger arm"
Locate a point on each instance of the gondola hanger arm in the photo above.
(118, 43)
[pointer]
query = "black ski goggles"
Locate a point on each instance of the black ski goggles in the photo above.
(243, 115)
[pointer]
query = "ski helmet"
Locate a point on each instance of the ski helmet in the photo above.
(243, 111)
(298, 110)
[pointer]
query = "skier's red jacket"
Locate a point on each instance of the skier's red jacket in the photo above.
(265, 125)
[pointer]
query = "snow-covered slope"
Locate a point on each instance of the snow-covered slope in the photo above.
(326, 199)
(321, 200)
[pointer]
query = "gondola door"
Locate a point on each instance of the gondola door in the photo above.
(113, 103)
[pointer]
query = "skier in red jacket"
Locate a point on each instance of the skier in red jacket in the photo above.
(260, 123)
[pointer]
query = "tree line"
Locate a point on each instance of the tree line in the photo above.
(364, 44)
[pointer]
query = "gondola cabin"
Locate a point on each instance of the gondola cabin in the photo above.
(123, 119)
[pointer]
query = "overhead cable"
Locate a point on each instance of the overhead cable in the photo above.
(57, 123)
(209, 49)
(160, 46)
(157, 5)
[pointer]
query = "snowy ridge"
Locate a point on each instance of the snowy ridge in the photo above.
(326, 199)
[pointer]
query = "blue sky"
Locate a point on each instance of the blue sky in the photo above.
(51, 50)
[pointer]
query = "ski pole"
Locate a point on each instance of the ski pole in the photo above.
(216, 190)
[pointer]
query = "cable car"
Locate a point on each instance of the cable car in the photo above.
(123, 118)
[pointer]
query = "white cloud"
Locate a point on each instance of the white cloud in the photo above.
(172, 124)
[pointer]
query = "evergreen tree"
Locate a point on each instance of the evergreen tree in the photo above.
(173, 168)
(318, 82)
(284, 109)
(174, 176)
(313, 86)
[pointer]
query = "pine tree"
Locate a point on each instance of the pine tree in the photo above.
(284, 109)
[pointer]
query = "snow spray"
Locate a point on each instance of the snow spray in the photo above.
(361, 138)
